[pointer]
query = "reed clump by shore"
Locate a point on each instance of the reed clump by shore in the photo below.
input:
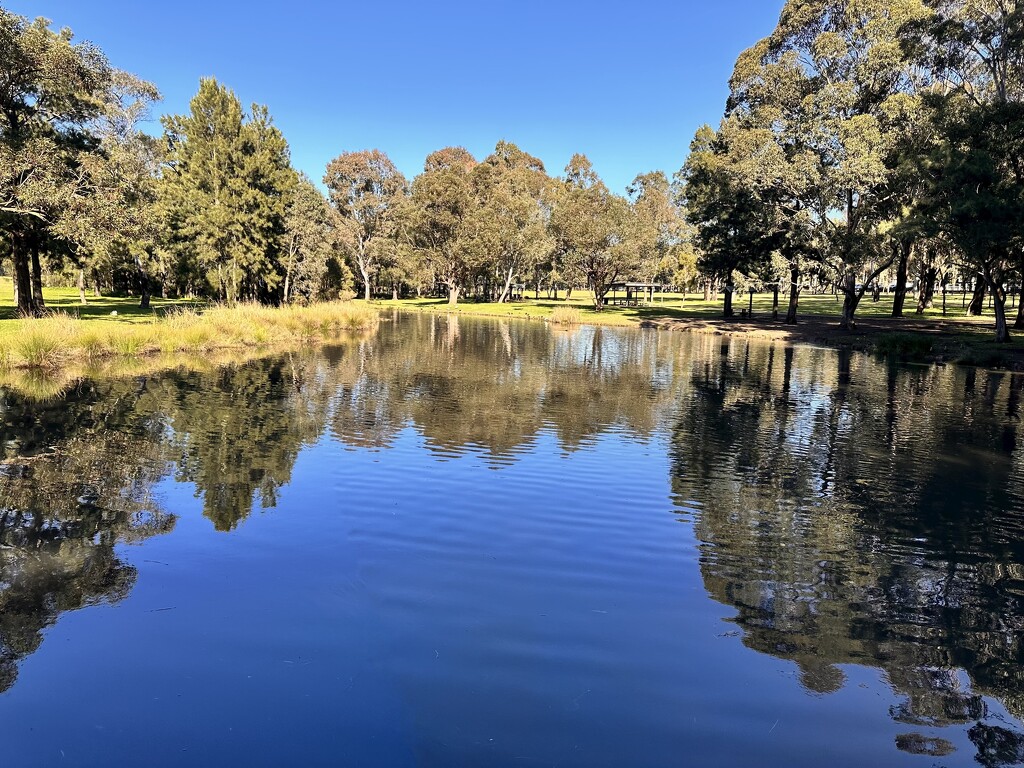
(567, 316)
(60, 339)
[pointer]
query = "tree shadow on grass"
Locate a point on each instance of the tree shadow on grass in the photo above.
(113, 308)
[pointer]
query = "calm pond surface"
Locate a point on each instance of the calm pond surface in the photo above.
(482, 543)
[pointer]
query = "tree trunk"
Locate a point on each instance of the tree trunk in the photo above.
(1019, 322)
(37, 279)
(998, 295)
(81, 286)
(453, 294)
(851, 298)
(508, 285)
(978, 300)
(23, 285)
(22, 275)
(366, 284)
(775, 301)
(144, 290)
(900, 294)
(707, 290)
(999, 304)
(794, 294)
(850, 302)
(727, 306)
(926, 296)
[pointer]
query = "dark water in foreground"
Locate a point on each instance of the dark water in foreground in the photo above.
(491, 544)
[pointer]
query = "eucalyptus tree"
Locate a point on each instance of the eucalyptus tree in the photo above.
(848, 92)
(224, 195)
(366, 189)
(509, 230)
(662, 233)
(314, 243)
(733, 228)
(116, 228)
(767, 127)
(52, 88)
(594, 229)
(437, 217)
(975, 169)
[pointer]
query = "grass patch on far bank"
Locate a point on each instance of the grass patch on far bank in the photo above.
(542, 309)
(676, 306)
(60, 339)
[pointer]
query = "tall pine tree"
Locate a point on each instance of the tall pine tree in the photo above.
(225, 194)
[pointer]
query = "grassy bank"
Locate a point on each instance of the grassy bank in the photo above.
(62, 339)
(675, 306)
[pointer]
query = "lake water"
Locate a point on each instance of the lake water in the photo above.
(483, 543)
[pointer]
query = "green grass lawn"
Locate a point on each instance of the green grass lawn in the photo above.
(676, 306)
(96, 307)
(669, 305)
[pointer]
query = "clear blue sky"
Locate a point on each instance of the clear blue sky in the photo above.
(626, 83)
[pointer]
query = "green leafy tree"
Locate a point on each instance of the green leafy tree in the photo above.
(975, 168)
(116, 227)
(224, 196)
(366, 189)
(51, 90)
(663, 237)
(437, 217)
(595, 230)
(314, 242)
(977, 195)
(509, 229)
(734, 230)
(846, 94)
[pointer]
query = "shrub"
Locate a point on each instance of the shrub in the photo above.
(904, 346)
(566, 316)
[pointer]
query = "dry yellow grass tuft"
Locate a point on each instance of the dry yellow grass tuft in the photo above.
(58, 339)
(566, 316)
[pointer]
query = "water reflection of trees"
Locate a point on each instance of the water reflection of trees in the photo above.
(66, 500)
(852, 523)
(494, 386)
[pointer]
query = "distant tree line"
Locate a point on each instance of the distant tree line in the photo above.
(867, 143)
